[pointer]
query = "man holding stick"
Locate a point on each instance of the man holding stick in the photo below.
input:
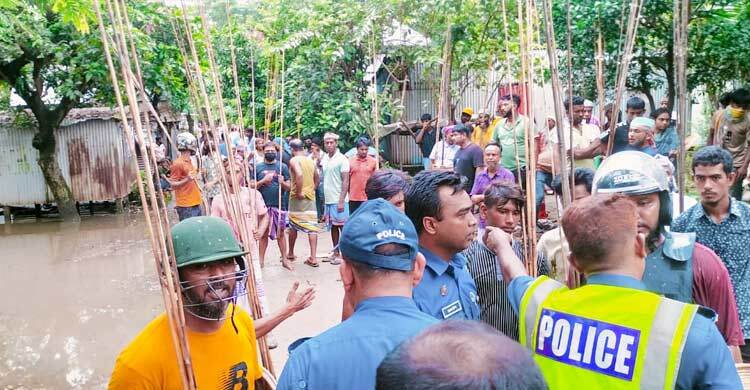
(221, 335)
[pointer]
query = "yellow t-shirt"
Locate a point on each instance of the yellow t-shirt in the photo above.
(482, 137)
(221, 360)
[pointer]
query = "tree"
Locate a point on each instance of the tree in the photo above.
(51, 61)
(717, 28)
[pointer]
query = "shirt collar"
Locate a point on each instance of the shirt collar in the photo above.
(438, 265)
(616, 281)
(734, 209)
(388, 301)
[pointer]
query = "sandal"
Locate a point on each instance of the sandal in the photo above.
(312, 263)
(335, 260)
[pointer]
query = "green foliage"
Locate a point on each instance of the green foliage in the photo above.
(718, 31)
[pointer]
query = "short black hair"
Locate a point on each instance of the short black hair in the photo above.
(296, 144)
(635, 103)
(577, 101)
(316, 141)
(583, 176)
(387, 183)
(422, 198)
(498, 194)
(480, 357)
(660, 111)
(724, 99)
(363, 141)
(713, 155)
(425, 117)
(515, 98)
(740, 96)
(461, 129)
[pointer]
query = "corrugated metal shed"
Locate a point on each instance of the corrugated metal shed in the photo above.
(91, 150)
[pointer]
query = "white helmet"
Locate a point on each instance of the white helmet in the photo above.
(187, 141)
(630, 173)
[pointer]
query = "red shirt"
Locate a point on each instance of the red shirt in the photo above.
(713, 288)
(360, 169)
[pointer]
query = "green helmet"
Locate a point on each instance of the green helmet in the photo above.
(203, 240)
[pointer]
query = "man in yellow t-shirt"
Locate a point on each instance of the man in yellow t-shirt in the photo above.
(221, 336)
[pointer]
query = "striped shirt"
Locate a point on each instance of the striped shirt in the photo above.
(492, 291)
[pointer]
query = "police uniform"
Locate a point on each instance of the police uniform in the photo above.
(669, 268)
(614, 334)
(447, 290)
(347, 356)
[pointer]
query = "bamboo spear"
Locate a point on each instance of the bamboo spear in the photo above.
(600, 76)
(680, 12)
(622, 74)
(165, 265)
(569, 56)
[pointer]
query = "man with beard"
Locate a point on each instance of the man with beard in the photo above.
(676, 266)
(641, 136)
(440, 208)
(634, 108)
(510, 134)
(588, 113)
(722, 223)
(444, 151)
(222, 336)
(501, 209)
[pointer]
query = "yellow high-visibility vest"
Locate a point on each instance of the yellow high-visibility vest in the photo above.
(607, 337)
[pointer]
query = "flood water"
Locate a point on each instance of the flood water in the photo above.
(73, 295)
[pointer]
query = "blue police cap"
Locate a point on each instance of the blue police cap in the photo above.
(375, 223)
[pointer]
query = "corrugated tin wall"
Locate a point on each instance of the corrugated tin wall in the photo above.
(93, 156)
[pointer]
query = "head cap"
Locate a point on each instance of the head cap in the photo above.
(588, 103)
(643, 123)
(203, 240)
(375, 223)
(630, 173)
(468, 111)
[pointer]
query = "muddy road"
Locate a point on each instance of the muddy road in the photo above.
(74, 295)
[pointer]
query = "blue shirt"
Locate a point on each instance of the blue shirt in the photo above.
(666, 141)
(705, 362)
(347, 356)
(447, 290)
(730, 240)
(650, 150)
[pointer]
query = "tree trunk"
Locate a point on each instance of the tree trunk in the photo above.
(44, 141)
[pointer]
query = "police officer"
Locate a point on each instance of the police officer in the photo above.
(611, 333)
(381, 264)
(676, 266)
(440, 208)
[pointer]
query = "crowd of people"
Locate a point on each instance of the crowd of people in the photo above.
(435, 277)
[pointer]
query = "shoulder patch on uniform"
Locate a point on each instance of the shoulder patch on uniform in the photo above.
(708, 313)
(679, 246)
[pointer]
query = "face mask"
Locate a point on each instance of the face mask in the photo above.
(270, 156)
(736, 113)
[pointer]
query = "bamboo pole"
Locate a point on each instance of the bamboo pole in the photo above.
(569, 61)
(680, 13)
(557, 97)
(530, 142)
(166, 267)
(622, 74)
(600, 76)
(445, 84)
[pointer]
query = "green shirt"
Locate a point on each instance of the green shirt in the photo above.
(513, 141)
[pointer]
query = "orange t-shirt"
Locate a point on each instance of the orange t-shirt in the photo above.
(188, 194)
(359, 171)
(221, 360)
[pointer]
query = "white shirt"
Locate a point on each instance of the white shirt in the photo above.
(442, 157)
(333, 167)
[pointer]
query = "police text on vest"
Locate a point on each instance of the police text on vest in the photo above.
(589, 344)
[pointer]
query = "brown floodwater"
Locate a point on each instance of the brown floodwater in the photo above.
(73, 295)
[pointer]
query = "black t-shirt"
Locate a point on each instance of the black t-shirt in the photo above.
(621, 138)
(270, 191)
(428, 142)
(466, 162)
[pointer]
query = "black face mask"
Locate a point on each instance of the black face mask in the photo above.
(270, 156)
